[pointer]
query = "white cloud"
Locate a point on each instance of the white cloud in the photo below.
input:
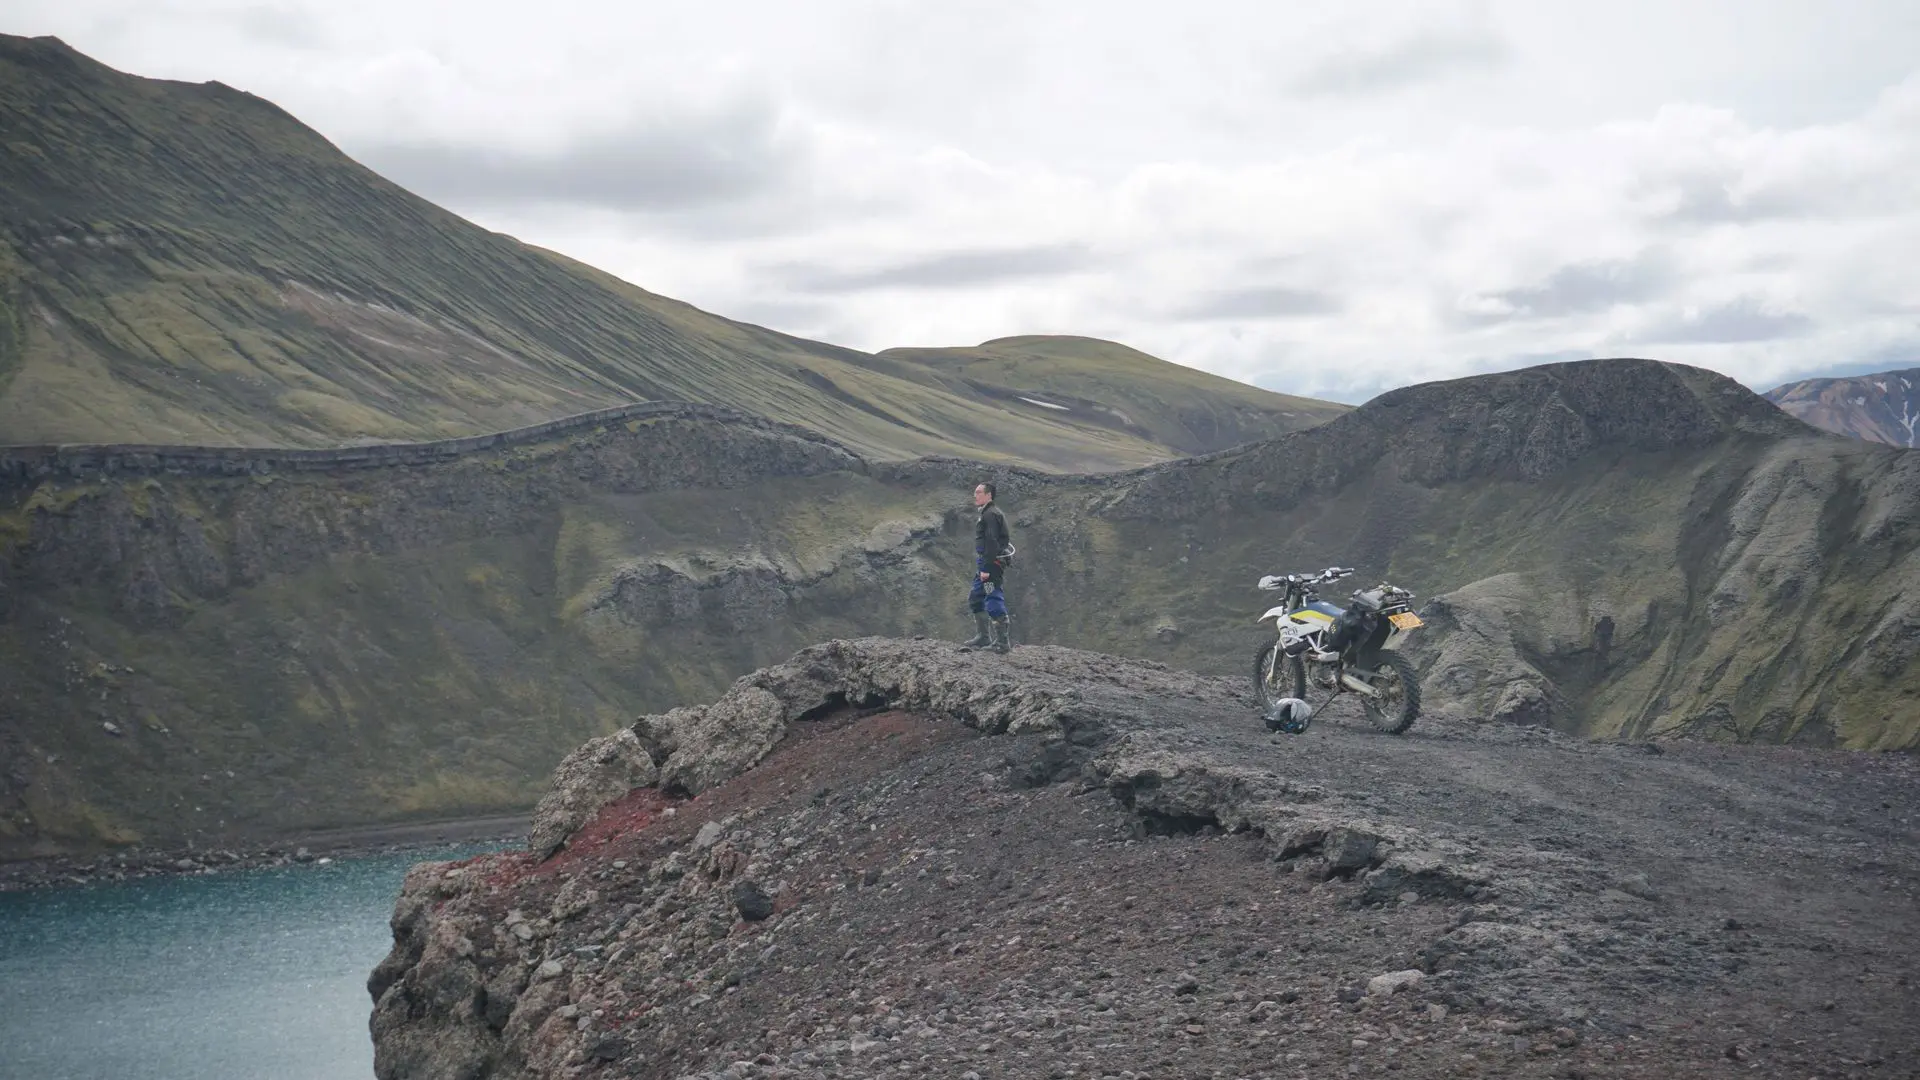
(1321, 203)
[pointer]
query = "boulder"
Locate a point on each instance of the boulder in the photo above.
(717, 743)
(1394, 981)
(599, 772)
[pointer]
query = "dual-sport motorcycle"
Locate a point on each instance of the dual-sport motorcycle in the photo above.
(1329, 648)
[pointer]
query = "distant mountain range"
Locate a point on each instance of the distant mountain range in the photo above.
(1878, 408)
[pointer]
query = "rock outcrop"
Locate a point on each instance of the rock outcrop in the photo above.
(602, 770)
(905, 857)
(699, 747)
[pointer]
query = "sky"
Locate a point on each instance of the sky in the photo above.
(1322, 199)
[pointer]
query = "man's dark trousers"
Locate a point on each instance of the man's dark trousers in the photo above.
(990, 595)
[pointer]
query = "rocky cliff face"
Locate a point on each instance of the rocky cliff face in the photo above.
(1879, 408)
(889, 857)
(283, 645)
(290, 648)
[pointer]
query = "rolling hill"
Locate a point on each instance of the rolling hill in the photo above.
(188, 264)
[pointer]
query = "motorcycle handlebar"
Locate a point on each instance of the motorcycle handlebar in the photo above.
(1331, 573)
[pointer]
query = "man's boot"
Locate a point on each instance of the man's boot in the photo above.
(985, 637)
(1002, 636)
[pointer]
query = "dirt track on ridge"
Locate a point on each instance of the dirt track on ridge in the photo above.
(947, 903)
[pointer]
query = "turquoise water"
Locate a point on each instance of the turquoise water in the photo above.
(249, 975)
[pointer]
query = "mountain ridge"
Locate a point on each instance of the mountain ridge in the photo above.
(1585, 570)
(22, 464)
(78, 460)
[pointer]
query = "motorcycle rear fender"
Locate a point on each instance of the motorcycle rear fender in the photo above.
(1394, 638)
(1387, 641)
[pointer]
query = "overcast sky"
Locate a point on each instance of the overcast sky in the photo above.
(1318, 198)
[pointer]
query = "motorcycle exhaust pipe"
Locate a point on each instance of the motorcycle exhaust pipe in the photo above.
(1352, 683)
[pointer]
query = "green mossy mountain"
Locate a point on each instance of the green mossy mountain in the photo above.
(188, 264)
(282, 644)
(1160, 402)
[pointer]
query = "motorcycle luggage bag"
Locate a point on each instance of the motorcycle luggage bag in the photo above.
(1349, 628)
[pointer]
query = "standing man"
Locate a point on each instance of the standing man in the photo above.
(993, 548)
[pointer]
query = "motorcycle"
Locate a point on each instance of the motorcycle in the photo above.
(1329, 648)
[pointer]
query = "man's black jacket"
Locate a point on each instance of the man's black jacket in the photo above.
(991, 539)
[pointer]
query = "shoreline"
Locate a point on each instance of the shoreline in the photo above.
(319, 846)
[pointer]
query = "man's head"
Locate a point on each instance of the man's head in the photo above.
(983, 494)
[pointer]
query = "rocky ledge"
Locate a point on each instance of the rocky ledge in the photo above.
(894, 858)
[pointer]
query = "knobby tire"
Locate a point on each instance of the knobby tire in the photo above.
(1409, 698)
(1264, 693)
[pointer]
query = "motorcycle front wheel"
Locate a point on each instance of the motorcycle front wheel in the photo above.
(1398, 704)
(1289, 678)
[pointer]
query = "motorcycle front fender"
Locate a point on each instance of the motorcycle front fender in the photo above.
(1273, 613)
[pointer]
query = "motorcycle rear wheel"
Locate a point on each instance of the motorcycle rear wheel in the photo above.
(1288, 670)
(1398, 704)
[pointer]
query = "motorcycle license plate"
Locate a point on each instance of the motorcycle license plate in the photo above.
(1405, 620)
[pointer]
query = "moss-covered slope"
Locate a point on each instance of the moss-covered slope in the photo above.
(283, 647)
(189, 264)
